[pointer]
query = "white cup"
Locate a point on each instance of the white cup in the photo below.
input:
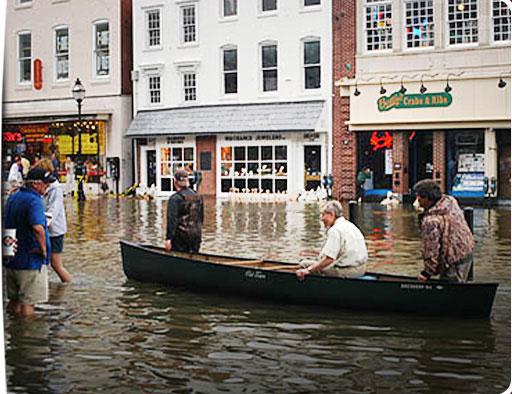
(8, 241)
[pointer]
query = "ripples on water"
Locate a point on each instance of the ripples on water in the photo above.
(105, 333)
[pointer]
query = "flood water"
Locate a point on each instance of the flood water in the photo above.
(104, 333)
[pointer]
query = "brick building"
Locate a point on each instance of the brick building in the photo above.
(424, 92)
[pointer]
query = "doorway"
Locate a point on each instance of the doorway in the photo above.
(503, 137)
(421, 156)
(312, 166)
(151, 167)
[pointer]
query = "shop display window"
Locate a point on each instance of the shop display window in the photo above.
(171, 159)
(262, 169)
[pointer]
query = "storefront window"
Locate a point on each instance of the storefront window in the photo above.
(466, 163)
(262, 169)
(172, 158)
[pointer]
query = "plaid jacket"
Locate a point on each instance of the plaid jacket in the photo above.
(445, 234)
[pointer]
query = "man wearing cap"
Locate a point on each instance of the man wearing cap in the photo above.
(27, 272)
(184, 216)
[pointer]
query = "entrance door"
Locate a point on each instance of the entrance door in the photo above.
(504, 164)
(151, 167)
(421, 157)
(312, 166)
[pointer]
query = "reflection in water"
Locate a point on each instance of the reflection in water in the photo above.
(103, 332)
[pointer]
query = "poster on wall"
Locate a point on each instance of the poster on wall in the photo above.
(469, 184)
(471, 162)
(388, 161)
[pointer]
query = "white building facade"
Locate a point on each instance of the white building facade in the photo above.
(433, 95)
(48, 45)
(237, 90)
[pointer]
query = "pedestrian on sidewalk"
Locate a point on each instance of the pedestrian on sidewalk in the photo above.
(447, 239)
(53, 201)
(27, 272)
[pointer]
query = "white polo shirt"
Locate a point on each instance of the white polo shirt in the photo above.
(345, 245)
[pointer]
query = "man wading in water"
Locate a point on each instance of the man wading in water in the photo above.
(184, 217)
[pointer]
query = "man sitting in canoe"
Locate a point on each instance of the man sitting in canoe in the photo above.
(344, 253)
(447, 239)
(184, 216)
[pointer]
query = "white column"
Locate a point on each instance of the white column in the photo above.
(491, 157)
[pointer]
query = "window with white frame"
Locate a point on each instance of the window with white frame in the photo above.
(419, 23)
(269, 67)
(312, 77)
(500, 21)
(188, 23)
(24, 57)
(268, 5)
(61, 53)
(261, 168)
(307, 3)
(171, 159)
(189, 86)
(229, 7)
(230, 70)
(153, 32)
(154, 89)
(462, 21)
(378, 25)
(102, 48)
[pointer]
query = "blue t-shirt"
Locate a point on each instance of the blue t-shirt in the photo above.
(23, 210)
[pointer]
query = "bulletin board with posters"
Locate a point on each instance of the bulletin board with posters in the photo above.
(469, 181)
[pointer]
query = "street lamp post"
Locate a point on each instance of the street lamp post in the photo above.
(79, 95)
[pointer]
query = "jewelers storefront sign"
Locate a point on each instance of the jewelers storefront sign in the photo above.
(399, 100)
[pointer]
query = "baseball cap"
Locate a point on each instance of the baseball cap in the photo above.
(39, 174)
(181, 174)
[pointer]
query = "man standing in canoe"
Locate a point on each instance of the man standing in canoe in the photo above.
(344, 253)
(184, 216)
(447, 240)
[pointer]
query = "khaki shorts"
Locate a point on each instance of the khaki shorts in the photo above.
(27, 286)
(339, 272)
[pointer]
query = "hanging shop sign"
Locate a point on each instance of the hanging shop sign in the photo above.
(38, 74)
(400, 101)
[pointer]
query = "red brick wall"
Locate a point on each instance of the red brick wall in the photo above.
(126, 46)
(207, 144)
(344, 159)
(400, 182)
(439, 149)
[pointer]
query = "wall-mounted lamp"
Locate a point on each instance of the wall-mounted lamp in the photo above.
(402, 87)
(423, 88)
(382, 88)
(448, 88)
(356, 91)
(502, 83)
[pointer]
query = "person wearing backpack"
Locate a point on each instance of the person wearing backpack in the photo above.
(184, 216)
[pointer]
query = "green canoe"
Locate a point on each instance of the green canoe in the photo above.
(277, 281)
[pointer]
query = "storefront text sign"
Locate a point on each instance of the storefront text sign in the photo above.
(38, 74)
(258, 137)
(399, 100)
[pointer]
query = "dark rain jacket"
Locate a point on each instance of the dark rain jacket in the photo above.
(185, 220)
